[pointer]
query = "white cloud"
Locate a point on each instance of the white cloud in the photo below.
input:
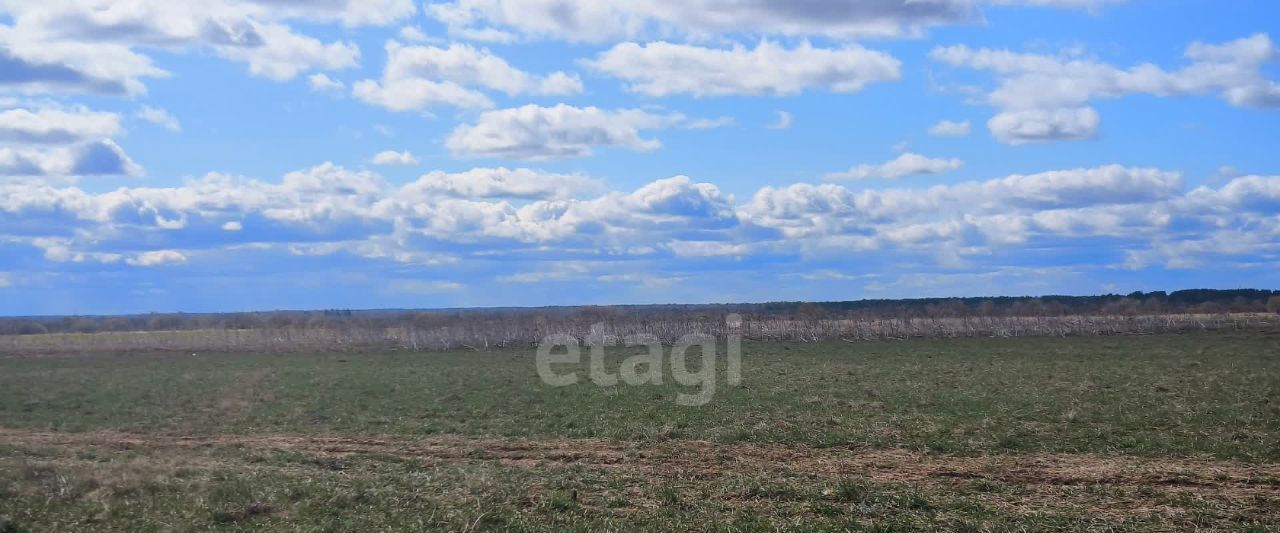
(947, 128)
(419, 286)
(157, 258)
(708, 249)
(1112, 184)
(321, 82)
(501, 182)
(1045, 98)
(348, 12)
(1071, 4)
(416, 77)
(5, 280)
(92, 46)
(784, 121)
(600, 20)
(1039, 125)
(707, 123)
(284, 54)
(158, 117)
(392, 157)
(24, 163)
(603, 20)
(677, 202)
(56, 126)
(412, 34)
(37, 65)
(51, 140)
(907, 164)
(484, 35)
(418, 94)
(537, 133)
(98, 158)
(1132, 203)
(662, 68)
(497, 213)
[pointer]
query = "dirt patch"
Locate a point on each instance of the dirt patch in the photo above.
(702, 459)
(1110, 489)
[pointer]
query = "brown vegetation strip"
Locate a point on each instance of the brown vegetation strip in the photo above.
(701, 459)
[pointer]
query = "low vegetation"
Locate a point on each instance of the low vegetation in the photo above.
(1154, 432)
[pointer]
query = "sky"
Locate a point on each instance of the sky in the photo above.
(230, 155)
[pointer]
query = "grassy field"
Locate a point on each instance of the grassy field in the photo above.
(1141, 433)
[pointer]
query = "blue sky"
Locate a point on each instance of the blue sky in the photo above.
(250, 154)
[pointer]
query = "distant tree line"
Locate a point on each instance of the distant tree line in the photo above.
(1146, 304)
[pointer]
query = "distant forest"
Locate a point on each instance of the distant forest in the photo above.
(1193, 301)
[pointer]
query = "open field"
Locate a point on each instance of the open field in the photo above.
(1126, 432)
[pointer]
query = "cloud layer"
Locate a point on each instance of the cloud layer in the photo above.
(417, 77)
(601, 20)
(544, 217)
(662, 68)
(534, 132)
(1045, 98)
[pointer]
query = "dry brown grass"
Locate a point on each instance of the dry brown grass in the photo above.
(1141, 485)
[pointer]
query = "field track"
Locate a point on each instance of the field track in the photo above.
(1051, 480)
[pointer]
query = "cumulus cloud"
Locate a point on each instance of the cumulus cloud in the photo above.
(98, 158)
(158, 117)
(392, 157)
(102, 158)
(348, 12)
(93, 46)
(907, 164)
(157, 258)
(51, 140)
(538, 133)
(662, 68)
(416, 77)
(675, 202)
(1045, 98)
(327, 209)
(321, 82)
(706, 123)
(1144, 215)
(35, 64)
(708, 248)
(1110, 200)
(1075, 4)
(599, 20)
(602, 20)
(1042, 125)
(501, 182)
(22, 163)
(56, 126)
(284, 54)
(412, 34)
(947, 128)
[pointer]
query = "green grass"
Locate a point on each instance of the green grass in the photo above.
(235, 489)
(1203, 395)
(1211, 394)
